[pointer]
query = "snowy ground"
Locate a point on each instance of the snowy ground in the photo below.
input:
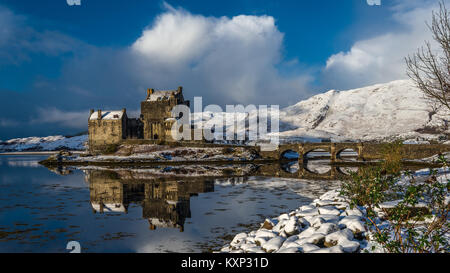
(160, 153)
(327, 225)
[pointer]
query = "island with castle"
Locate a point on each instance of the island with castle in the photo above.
(116, 139)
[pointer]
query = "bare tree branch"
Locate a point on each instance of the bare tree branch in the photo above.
(429, 69)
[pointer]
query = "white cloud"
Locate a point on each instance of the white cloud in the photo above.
(381, 59)
(226, 60)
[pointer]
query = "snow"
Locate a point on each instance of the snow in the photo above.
(109, 207)
(374, 113)
(50, 143)
(395, 109)
(161, 94)
(108, 115)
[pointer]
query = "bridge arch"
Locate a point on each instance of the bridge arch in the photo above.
(290, 168)
(317, 168)
(347, 152)
(318, 152)
(290, 154)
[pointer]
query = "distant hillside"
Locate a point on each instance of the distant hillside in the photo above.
(379, 112)
(383, 111)
(50, 143)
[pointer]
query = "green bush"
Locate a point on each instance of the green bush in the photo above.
(418, 222)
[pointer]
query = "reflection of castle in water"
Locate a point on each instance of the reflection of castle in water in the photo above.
(165, 202)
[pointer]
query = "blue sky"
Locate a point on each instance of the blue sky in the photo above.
(58, 61)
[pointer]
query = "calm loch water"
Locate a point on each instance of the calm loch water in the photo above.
(134, 210)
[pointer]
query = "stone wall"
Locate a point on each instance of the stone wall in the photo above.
(103, 133)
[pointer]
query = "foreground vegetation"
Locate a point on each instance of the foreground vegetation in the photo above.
(405, 213)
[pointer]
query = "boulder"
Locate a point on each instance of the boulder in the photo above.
(343, 238)
(238, 239)
(353, 212)
(306, 207)
(334, 249)
(307, 233)
(306, 248)
(329, 210)
(290, 250)
(265, 233)
(273, 244)
(354, 223)
(268, 224)
(327, 228)
(308, 212)
(255, 249)
(291, 227)
(315, 239)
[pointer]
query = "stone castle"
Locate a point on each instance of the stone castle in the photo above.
(107, 128)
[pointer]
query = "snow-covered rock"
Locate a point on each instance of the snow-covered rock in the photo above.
(354, 223)
(329, 210)
(273, 244)
(343, 238)
(334, 249)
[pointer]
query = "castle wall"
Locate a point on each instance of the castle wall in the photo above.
(103, 133)
(157, 110)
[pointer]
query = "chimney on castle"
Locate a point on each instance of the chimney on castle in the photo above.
(149, 92)
(180, 89)
(99, 114)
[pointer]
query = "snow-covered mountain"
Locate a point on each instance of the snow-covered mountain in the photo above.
(384, 111)
(50, 143)
(379, 112)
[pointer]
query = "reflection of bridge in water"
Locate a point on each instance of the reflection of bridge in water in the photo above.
(295, 170)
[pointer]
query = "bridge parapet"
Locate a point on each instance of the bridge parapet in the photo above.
(364, 151)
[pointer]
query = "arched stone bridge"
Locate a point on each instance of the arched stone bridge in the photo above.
(365, 151)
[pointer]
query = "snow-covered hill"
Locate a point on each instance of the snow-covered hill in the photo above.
(50, 143)
(382, 111)
(379, 112)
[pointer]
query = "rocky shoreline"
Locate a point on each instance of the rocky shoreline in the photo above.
(326, 225)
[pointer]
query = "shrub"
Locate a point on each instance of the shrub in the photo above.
(418, 222)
